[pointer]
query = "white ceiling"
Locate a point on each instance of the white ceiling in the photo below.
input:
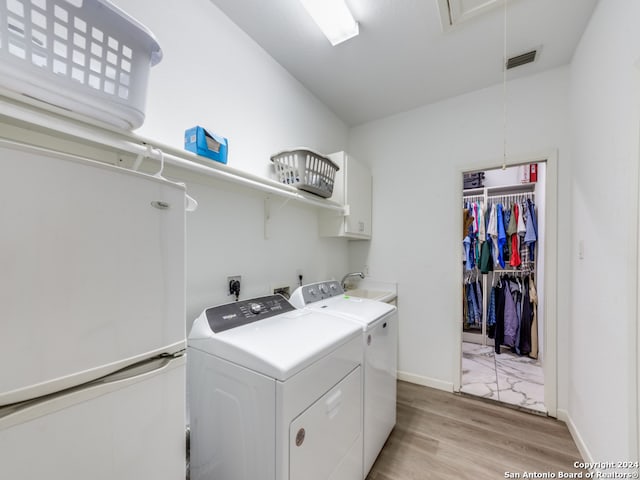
(402, 58)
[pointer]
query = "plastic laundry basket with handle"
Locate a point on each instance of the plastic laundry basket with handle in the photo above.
(85, 56)
(306, 170)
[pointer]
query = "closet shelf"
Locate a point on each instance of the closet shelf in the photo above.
(508, 189)
(29, 112)
(500, 190)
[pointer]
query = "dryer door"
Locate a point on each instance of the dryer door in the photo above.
(325, 441)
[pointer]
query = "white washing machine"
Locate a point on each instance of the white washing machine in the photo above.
(379, 324)
(275, 393)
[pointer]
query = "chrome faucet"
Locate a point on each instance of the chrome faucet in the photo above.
(354, 274)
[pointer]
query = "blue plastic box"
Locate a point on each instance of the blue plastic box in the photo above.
(203, 142)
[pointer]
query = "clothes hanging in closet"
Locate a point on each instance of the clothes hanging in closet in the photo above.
(503, 233)
(531, 234)
(473, 228)
(511, 315)
(493, 234)
(472, 303)
(500, 235)
(526, 321)
(511, 312)
(467, 220)
(512, 231)
(486, 259)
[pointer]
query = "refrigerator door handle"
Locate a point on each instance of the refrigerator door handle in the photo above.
(25, 411)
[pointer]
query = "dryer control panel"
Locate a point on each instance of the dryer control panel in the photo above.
(243, 312)
(320, 291)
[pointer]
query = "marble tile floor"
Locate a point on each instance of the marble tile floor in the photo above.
(506, 378)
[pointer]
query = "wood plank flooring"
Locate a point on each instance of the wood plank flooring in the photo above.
(442, 436)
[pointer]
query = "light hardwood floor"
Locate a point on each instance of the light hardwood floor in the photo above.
(442, 436)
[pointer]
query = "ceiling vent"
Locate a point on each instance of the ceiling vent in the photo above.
(522, 59)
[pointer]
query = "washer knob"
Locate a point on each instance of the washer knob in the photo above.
(255, 308)
(323, 289)
(313, 292)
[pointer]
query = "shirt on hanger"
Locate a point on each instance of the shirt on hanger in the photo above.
(531, 234)
(502, 235)
(492, 232)
(514, 260)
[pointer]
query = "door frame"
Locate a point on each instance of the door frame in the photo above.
(636, 75)
(550, 291)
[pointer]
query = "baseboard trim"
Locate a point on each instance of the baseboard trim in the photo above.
(575, 433)
(425, 381)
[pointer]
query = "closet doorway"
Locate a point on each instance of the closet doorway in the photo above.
(503, 272)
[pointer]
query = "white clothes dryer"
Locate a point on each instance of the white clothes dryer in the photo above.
(275, 393)
(379, 324)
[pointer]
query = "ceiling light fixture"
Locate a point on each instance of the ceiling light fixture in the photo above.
(334, 19)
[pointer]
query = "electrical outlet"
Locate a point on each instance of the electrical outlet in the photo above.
(284, 290)
(230, 284)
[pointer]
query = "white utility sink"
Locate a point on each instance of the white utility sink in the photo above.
(379, 295)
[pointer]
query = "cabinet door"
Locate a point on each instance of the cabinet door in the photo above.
(358, 197)
(353, 188)
(92, 274)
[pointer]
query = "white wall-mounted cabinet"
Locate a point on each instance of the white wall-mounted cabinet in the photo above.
(352, 189)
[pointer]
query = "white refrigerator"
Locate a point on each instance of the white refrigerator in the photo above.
(92, 320)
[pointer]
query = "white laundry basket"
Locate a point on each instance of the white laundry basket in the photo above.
(306, 170)
(85, 56)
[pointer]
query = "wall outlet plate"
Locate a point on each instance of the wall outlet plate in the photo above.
(231, 278)
(282, 289)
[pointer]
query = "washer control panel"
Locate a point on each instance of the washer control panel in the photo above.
(320, 291)
(243, 312)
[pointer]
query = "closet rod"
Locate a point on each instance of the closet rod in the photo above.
(512, 195)
(516, 272)
(472, 200)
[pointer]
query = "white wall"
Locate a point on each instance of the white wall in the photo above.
(605, 119)
(226, 236)
(214, 75)
(417, 159)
